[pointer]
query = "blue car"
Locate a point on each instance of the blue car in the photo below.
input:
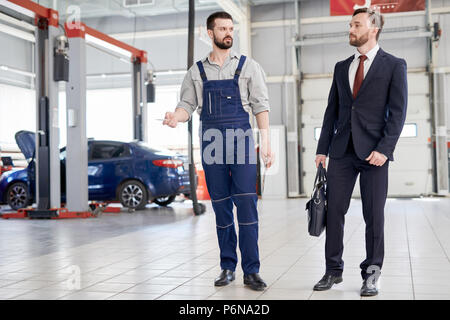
(131, 173)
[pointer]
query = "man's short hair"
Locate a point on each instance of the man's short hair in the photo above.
(210, 22)
(375, 17)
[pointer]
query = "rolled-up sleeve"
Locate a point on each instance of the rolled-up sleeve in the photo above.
(258, 92)
(188, 96)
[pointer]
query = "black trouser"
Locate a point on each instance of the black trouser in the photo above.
(342, 174)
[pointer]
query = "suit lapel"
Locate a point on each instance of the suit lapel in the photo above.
(345, 76)
(375, 65)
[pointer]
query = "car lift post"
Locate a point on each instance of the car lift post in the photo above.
(77, 154)
(48, 180)
(139, 71)
(77, 194)
(199, 208)
(138, 59)
(48, 189)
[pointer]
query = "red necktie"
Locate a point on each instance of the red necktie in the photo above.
(359, 76)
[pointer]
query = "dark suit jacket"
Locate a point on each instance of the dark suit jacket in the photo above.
(375, 117)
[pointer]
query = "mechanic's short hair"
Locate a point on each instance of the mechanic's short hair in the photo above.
(210, 22)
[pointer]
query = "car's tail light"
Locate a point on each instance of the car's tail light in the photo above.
(168, 163)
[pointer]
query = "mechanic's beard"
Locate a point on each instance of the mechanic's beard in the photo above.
(358, 42)
(223, 45)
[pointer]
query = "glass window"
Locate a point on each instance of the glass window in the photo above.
(409, 130)
(103, 151)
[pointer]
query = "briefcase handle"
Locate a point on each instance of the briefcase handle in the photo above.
(321, 175)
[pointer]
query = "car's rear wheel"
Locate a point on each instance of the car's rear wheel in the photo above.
(133, 195)
(164, 201)
(17, 195)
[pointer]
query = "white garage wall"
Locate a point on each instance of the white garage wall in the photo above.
(160, 136)
(17, 112)
(108, 115)
(15, 53)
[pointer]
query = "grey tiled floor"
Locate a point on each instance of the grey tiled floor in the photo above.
(170, 254)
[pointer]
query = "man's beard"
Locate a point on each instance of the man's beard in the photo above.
(223, 45)
(358, 42)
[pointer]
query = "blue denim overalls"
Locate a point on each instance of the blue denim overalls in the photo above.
(231, 179)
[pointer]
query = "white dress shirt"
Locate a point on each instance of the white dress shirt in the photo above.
(355, 63)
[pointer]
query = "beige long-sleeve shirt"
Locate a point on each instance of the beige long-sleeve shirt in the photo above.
(252, 84)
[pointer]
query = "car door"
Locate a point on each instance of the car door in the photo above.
(110, 163)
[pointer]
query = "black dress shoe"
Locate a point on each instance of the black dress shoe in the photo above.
(368, 289)
(254, 281)
(225, 277)
(327, 282)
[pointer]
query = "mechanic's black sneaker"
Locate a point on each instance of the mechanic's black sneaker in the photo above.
(327, 282)
(254, 281)
(225, 277)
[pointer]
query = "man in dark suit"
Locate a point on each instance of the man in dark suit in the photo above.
(362, 124)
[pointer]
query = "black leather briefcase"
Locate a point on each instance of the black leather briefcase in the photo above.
(317, 205)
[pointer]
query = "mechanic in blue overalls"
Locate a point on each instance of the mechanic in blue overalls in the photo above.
(222, 86)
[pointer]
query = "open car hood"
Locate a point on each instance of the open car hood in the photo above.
(26, 140)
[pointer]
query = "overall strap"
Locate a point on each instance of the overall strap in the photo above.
(239, 68)
(202, 70)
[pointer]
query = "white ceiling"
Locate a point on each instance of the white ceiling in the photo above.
(103, 8)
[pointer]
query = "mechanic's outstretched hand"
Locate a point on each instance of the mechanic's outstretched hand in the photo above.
(170, 120)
